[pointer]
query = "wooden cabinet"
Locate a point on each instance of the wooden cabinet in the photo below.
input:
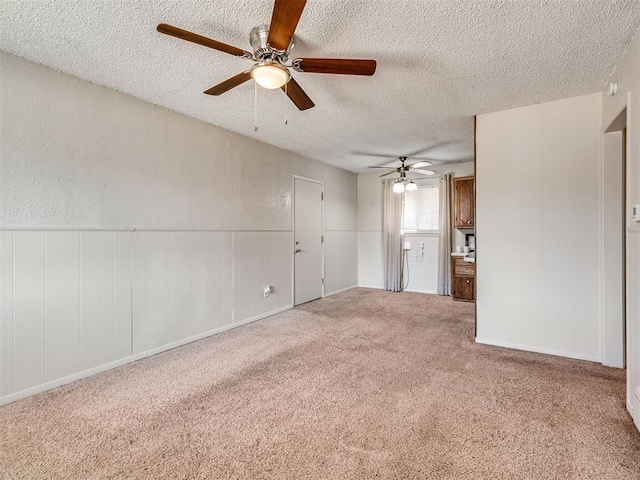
(464, 289)
(464, 280)
(464, 202)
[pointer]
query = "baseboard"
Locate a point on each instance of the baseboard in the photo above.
(371, 286)
(420, 291)
(340, 291)
(256, 318)
(132, 358)
(635, 408)
(544, 350)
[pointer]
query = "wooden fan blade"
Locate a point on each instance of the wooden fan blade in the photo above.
(388, 173)
(228, 84)
(419, 164)
(297, 95)
(200, 40)
(423, 172)
(341, 66)
(284, 20)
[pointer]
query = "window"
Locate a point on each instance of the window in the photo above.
(421, 210)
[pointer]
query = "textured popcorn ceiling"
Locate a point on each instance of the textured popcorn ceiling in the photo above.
(439, 63)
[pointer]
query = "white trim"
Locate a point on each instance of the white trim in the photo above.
(371, 286)
(635, 407)
(600, 267)
(340, 291)
(308, 179)
(132, 358)
(420, 291)
(126, 229)
(544, 350)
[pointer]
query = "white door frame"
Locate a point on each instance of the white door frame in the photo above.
(612, 128)
(293, 233)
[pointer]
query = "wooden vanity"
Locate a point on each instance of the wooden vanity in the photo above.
(463, 276)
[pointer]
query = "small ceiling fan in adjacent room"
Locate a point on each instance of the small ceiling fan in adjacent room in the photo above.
(271, 45)
(405, 183)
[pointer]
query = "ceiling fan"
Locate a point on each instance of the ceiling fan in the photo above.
(413, 167)
(271, 46)
(404, 183)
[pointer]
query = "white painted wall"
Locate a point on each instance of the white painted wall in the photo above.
(423, 268)
(422, 263)
(538, 228)
(627, 74)
(66, 305)
(127, 228)
(370, 253)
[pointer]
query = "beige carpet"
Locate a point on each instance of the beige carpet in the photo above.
(366, 384)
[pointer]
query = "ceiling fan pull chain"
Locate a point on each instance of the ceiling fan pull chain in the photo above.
(286, 100)
(255, 106)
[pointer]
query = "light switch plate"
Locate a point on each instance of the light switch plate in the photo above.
(635, 213)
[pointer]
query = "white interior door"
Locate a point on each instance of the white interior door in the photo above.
(308, 240)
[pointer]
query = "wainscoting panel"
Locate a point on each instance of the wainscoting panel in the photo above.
(261, 259)
(182, 285)
(122, 321)
(75, 303)
(90, 299)
(538, 228)
(633, 320)
(341, 260)
(108, 287)
(66, 299)
(370, 259)
(62, 304)
(105, 297)
(6, 313)
(28, 309)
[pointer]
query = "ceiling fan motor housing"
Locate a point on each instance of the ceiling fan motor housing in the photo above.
(261, 49)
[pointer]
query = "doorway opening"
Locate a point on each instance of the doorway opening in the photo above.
(614, 185)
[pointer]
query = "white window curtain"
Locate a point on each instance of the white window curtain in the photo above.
(444, 244)
(392, 237)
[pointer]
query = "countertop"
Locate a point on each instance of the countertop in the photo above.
(467, 257)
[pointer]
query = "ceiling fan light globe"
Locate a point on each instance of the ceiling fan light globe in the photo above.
(270, 75)
(398, 187)
(411, 186)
